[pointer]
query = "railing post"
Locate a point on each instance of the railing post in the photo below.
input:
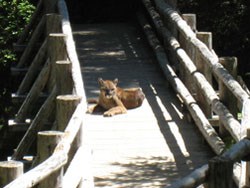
(27, 54)
(46, 143)
(247, 169)
(230, 63)
(57, 52)
(220, 173)
(66, 106)
(53, 24)
(206, 38)
(64, 81)
(9, 171)
(184, 75)
(33, 94)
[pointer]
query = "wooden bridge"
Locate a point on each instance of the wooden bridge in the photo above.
(175, 139)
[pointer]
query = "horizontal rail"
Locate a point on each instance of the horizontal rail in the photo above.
(211, 59)
(60, 156)
(199, 176)
(201, 121)
(71, 50)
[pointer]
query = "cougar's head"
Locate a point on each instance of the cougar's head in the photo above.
(108, 87)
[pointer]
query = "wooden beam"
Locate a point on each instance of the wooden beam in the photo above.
(210, 58)
(56, 52)
(201, 121)
(36, 125)
(203, 85)
(33, 95)
(46, 143)
(64, 81)
(66, 106)
(220, 173)
(32, 43)
(31, 24)
(9, 171)
(33, 69)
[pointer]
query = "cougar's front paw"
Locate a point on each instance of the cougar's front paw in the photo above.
(90, 110)
(108, 114)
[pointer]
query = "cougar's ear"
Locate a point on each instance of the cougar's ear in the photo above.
(100, 81)
(115, 81)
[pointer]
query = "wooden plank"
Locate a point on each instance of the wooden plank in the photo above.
(149, 146)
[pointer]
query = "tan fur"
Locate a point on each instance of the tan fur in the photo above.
(116, 100)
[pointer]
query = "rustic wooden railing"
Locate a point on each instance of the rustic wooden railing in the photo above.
(54, 69)
(208, 87)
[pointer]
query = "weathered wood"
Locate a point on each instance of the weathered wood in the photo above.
(33, 95)
(46, 143)
(33, 70)
(185, 76)
(191, 21)
(53, 24)
(243, 84)
(231, 124)
(210, 58)
(200, 175)
(64, 82)
(39, 173)
(56, 52)
(206, 38)
(36, 125)
(71, 51)
(238, 151)
(204, 126)
(247, 175)
(66, 105)
(72, 129)
(30, 25)
(202, 83)
(83, 176)
(9, 171)
(59, 157)
(220, 173)
(25, 58)
(194, 179)
(230, 63)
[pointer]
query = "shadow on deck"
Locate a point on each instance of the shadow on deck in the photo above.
(150, 146)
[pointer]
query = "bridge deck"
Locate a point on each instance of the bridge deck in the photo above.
(149, 146)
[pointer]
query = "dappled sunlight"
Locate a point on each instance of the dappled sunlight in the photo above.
(139, 172)
(149, 146)
(179, 134)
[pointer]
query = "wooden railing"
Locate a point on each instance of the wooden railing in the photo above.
(207, 86)
(59, 150)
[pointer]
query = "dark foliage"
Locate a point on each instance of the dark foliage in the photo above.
(14, 16)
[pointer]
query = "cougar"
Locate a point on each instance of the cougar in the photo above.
(115, 100)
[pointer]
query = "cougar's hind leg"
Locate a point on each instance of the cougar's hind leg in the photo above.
(92, 100)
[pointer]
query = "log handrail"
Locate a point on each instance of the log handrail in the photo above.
(60, 158)
(237, 129)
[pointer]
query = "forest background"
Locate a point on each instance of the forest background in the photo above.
(228, 20)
